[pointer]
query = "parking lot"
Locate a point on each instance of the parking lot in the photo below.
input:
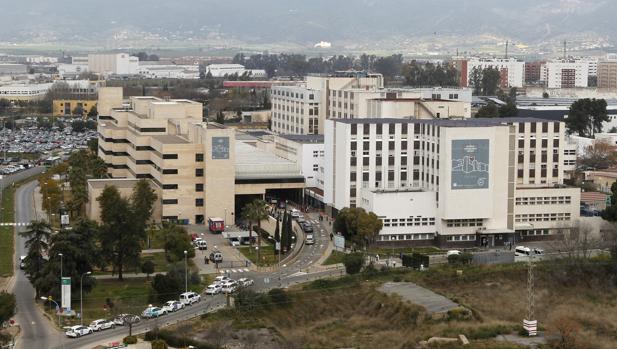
(233, 261)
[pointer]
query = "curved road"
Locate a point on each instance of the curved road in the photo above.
(37, 332)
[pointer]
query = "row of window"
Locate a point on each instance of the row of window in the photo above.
(542, 217)
(281, 93)
(474, 222)
(199, 202)
(467, 237)
(403, 237)
(544, 200)
(408, 222)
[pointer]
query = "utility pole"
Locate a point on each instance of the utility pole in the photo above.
(529, 324)
(565, 45)
(507, 43)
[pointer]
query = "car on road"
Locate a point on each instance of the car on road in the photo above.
(189, 298)
(216, 257)
(122, 319)
(172, 306)
(77, 331)
(22, 262)
(152, 312)
(307, 227)
(245, 282)
(221, 279)
(294, 213)
(235, 242)
(201, 244)
(101, 324)
(213, 289)
(229, 287)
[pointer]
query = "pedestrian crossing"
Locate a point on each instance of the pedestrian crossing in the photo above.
(13, 224)
(232, 271)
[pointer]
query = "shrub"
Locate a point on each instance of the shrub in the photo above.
(130, 340)
(159, 344)
(459, 313)
(170, 338)
(248, 300)
(353, 263)
(278, 297)
(460, 259)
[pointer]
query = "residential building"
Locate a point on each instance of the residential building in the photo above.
(564, 73)
(511, 70)
(607, 73)
(112, 63)
(451, 182)
(198, 170)
(533, 71)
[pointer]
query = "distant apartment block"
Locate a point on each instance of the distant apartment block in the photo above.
(511, 70)
(607, 73)
(565, 73)
(533, 71)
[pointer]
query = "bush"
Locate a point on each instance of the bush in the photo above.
(170, 338)
(459, 313)
(353, 263)
(278, 297)
(130, 340)
(159, 344)
(247, 300)
(460, 259)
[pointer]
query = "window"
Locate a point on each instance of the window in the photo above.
(170, 186)
(170, 171)
(170, 201)
(199, 157)
(199, 187)
(199, 172)
(170, 156)
(199, 202)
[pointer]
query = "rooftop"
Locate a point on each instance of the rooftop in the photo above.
(170, 139)
(116, 182)
(304, 138)
(478, 122)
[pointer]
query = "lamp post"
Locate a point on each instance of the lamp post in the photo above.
(60, 254)
(186, 282)
(81, 297)
(57, 306)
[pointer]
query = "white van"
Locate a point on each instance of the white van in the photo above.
(189, 298)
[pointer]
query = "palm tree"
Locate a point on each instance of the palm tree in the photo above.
(37, 243)
(255, 211)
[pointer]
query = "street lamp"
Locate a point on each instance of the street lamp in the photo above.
(186, 282)
(57, 306)
(60, 254)
(81, 297)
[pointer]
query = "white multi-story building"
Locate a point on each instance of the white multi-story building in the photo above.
(113, 64)
(566, 73)
(302, 109)
(24, 92)
(512, 71)
(469, 182)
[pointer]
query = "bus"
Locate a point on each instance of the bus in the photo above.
(216, 225)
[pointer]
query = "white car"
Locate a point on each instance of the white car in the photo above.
(22, 262)
(122, 319)
(172, 306)
(244, 282)
(221, 279)
(229, 287)
(101, 324)
(78, 331)
(213, 289)
(453, 253)
(189, 298)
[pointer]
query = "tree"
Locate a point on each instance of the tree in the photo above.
(147, 267)
(7, 306)
(599, 155)
(93, 113)
(220, 117)
(119, 238)
(176, 241)
(79, 110)
(358, 226)
(37, 237)
(586, 117)
(508, 110)
(353, 263)
(255, 211)
(93, 145)
(167, 287)
(142, 204)
(78, 126)
(545, 95)
(490, 81)
(475, 80)
(488, 111)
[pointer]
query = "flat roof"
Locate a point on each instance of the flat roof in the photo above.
(476, 122)
(170, 139)
(304, 138)
(116, 182)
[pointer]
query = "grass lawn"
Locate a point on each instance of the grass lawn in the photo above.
(7, 242)
(267, 255)
(334, 258)
(160, 264)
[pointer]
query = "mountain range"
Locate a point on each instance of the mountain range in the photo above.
(301, 22)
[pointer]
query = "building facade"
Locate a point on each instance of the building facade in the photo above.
(607, 73)
(512, 71)
(565, 73)
(449, 182)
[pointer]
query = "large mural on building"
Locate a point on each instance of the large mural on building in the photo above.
(470, 164)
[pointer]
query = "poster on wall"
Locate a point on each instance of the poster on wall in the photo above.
(220, 148)
(470, 164)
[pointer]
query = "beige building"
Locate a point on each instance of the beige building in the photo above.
(607, 73)
(199, 170)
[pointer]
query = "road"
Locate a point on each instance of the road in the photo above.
(37, 332)
(296, 272)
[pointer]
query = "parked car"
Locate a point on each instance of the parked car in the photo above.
(229, 286)
(294, 213)
(77, 331)
(216, 257)
(172, 306)
(234, 242)
(121, 319)
(213, 289)
(221, 279)
(201, 244)
(22, 262)
(453, 253)
(101, 324)
(189, 298)
(244, 282)
(152, 312)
